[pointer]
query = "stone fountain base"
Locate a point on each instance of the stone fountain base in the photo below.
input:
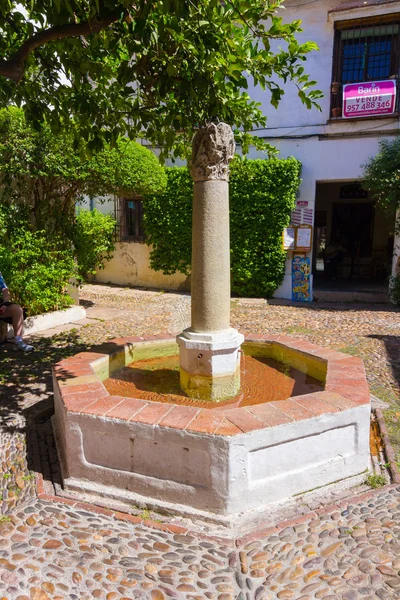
(210, 462)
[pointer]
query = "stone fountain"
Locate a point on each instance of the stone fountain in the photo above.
(215, 451)
(209, 350)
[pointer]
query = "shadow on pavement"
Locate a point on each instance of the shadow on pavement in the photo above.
(26, 407)
(26, 379)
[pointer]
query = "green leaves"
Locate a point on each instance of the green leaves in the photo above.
(49, 173)
(93, 238)
(262, 196)
(382, 175)
(157, 71)
(37, 270)
(42, 177)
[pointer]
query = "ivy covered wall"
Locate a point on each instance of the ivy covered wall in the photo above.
(262, 196)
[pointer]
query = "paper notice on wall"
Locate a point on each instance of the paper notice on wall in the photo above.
(302, 216)
(303, 240)
(296, 217)
(308, 216)
(289, 235)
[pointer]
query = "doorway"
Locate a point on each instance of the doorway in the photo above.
(353, 239)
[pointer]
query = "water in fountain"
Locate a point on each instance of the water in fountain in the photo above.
(262, 380)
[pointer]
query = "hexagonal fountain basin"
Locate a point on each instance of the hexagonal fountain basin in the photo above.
(222, 459)
(262, 380)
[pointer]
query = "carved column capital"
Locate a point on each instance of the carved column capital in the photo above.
(212, 150)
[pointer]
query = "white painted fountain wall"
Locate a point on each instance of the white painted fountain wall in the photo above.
(168, 468)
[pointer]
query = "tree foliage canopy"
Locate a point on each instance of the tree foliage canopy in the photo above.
(157, 69)
(42, 177)
(48, 176)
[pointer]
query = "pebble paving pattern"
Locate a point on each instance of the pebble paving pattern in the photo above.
(49, 551)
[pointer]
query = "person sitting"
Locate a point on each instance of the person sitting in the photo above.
(14, 315)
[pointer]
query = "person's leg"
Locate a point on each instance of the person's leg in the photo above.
(3, 331)
(15, 312)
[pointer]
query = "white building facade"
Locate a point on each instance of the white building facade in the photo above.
(359, 43)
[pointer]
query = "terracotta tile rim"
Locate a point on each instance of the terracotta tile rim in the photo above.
(355, 383)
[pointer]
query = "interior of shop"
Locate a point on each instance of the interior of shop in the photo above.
(353, 239)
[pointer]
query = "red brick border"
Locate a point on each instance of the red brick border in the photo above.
(389, 452)
(82, 392)
(179, 529)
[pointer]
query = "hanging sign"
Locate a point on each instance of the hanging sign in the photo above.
(289, 237)
(369, 99)
(301, 283)
(303, 238)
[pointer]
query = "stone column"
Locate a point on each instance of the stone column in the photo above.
(209, 349)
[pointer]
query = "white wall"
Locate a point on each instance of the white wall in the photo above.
(130, 265)
(318, 26)
(291, 111)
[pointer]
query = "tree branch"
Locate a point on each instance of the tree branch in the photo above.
(13, 68)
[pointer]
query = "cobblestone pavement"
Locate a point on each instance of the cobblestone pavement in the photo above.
(53, 551)
(49, 551)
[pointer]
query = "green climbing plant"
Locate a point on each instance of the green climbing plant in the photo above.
(262, 196)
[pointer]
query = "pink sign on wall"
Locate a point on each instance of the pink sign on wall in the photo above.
(369, 99)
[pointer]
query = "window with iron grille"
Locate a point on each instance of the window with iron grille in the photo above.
(364, 50)
(129, 217)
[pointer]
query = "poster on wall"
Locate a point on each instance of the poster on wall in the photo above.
(368, 99)
(289, 237)
(303, 238)
(301, 283)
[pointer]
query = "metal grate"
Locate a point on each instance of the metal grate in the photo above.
(118, 214)
(364, 50)
(129, 218)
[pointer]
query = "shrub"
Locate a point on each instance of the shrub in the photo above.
(42, 177)
(37, 270)
(168, 223)
(381, 175)
(93, 238)
(262, 196)
(48, 174)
